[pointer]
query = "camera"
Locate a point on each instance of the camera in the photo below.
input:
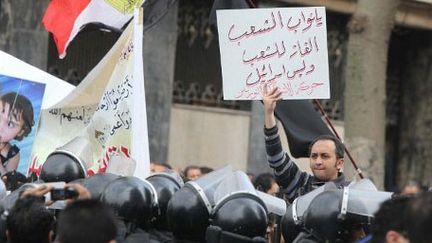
(63, 194)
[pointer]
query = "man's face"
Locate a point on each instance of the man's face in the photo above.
(323, 161)
(11, 125)
(393, 236)
(154, 168)
(193, 174)
(274, 189)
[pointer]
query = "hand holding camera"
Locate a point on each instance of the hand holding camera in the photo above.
(57, 192)
(63, 193)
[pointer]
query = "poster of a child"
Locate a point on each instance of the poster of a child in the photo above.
(20, 104)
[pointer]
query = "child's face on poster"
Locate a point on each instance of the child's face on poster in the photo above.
(10, 124)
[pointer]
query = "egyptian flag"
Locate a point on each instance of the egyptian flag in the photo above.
(65, 18)
(302, 124)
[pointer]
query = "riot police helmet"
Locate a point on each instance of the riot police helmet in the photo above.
(96, 183)
(166, 185)
(241, 213)
(61, 167)
(133, 200)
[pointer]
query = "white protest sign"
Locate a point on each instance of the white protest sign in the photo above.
(283, 47)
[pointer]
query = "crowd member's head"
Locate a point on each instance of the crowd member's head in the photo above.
(251, 177)
(86, 221)
(411, 188)
(205, 170)
(265, 182)
(29, 222)
(389, 225)
(192, 173)
(13, 180)
(418, 219)
(156, 167)
(326, 155)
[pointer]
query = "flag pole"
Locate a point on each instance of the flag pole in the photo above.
(318, 104)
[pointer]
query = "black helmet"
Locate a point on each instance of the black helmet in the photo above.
(96, 184)
(9, 201)
(166, 185)
(292, 222)
(323, 217)
(215, 234)
(241, 213)
(134, 200)
(343, 212)
(188, 213)
(61, 167)
(290, 229)
(69, 162)
(189, 209)
(79, 181)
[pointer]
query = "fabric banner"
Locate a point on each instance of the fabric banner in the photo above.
(107, 108)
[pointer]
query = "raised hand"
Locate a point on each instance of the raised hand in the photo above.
(270, 98)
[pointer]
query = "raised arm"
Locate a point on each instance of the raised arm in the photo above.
(287, 174)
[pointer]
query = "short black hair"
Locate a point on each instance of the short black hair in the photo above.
(86, 221)
(29, 221)
(263, 182)
(206, 169)
(389, 217)
(339, 146)
(20, 105)
(418, 218)
(166, 165)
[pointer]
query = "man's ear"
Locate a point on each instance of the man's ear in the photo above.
(393, 236)
(340, 164)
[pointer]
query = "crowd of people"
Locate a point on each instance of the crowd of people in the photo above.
(221, 205)
(112, 208)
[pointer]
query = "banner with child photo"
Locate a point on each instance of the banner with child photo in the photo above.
(107, 109)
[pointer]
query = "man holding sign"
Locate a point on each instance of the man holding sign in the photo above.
(285, 49)
(326, 156)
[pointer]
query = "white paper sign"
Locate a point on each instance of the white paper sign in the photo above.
(283, 47)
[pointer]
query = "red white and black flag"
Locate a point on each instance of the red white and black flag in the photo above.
(66, 18)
